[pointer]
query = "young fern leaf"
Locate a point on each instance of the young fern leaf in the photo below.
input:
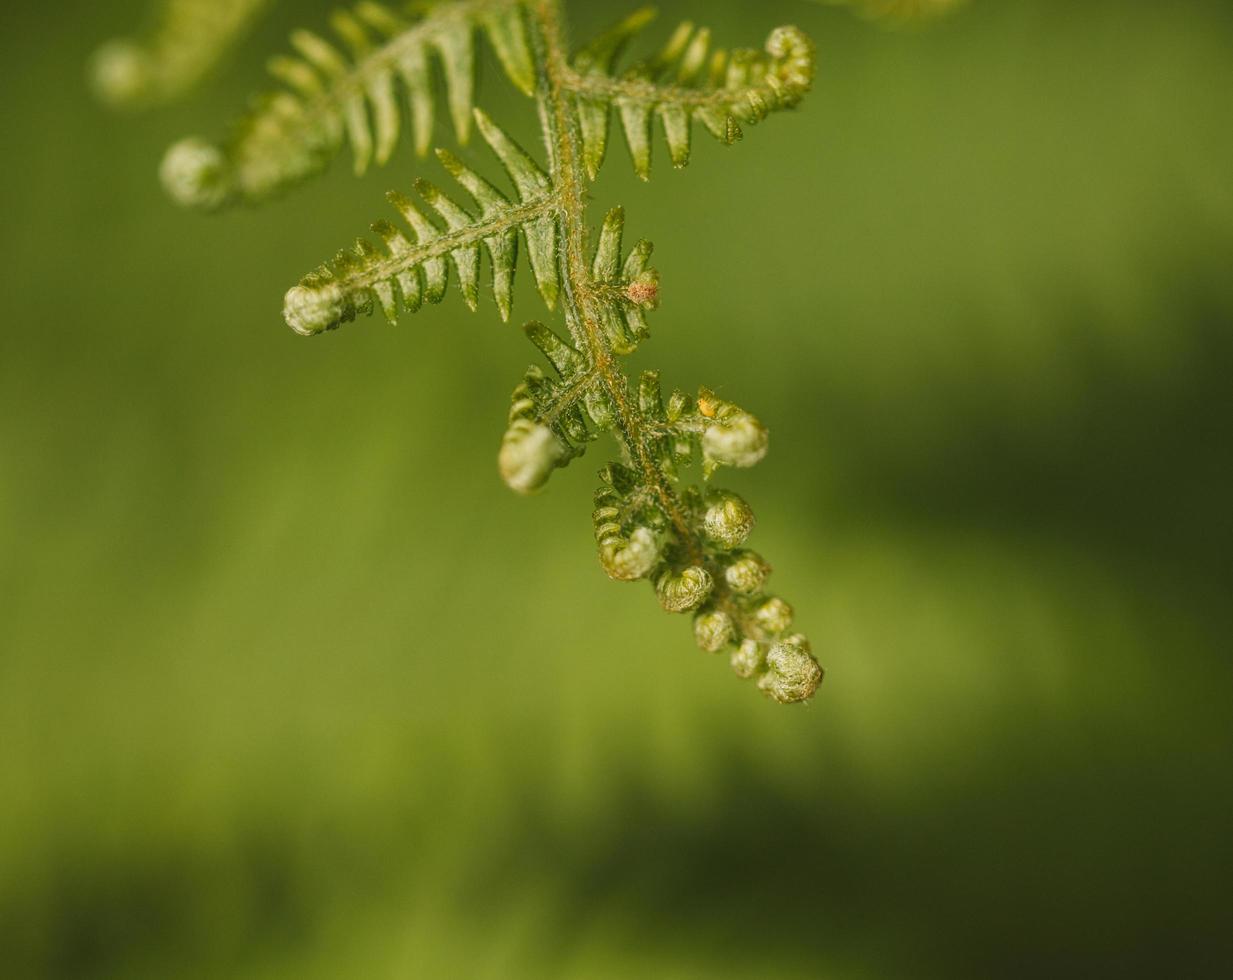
(331, 98)
(684, 81)
(411, 270)
(187, 40)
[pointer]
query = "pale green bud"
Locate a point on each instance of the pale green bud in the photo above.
(774, 615)
(748, 658)
(714, 630)
(627, 559)
(728, 520)
(312, 311)
(120, 72)
(794, 56)
(747, 573)
(685, 591)
(738, 439)
(529, 452)
(792, 674)
(195, 174)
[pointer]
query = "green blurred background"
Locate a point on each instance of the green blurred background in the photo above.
(290, 685)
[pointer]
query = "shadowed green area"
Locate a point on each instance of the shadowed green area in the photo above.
(291, 685)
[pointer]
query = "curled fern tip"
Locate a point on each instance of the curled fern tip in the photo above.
(195, 174)
(529, 453)
(792, 674)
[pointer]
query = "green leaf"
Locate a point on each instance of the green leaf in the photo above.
(684, 81)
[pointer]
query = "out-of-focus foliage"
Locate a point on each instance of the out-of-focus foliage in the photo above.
(186, 39)
(269, 702)
(900, 11)
(352, 89)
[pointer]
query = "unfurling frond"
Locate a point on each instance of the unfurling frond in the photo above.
(331, 97)
(689, 546)
(687, 540)
(684, 81)
(412, 269)
(187, 40)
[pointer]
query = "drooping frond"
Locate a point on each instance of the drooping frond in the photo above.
(187, 39)
(331, 98)
(688, 543)
(690, 546)
(684, 81)
(412, 269)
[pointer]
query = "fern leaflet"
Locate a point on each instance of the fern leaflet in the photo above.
(719, 89)
(331, 98)
(409, 272)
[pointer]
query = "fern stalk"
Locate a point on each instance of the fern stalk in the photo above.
(563, 143)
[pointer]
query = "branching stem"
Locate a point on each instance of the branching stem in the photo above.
(582, 294)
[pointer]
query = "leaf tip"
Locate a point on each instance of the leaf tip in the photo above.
(196, 174)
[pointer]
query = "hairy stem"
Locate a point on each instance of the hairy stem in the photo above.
(582, 294)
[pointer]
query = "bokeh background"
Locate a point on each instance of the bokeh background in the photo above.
(290, 685)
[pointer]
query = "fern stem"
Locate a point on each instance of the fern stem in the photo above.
(563, 144)
(611, 89)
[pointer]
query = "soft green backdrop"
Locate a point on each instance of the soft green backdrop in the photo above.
(290, 685)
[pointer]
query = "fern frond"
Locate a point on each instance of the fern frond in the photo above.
(332, 98)
(412, 269)
(684, 81)
(187, 40)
